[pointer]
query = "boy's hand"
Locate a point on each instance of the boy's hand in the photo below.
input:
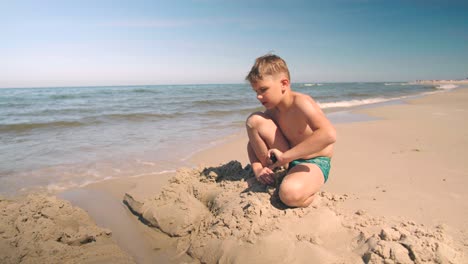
(277, 159)
(266, 176)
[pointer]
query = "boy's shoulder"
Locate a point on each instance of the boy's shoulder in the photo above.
(301, 99)
(306, 104)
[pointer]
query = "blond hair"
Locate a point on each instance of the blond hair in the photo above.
(267, 65)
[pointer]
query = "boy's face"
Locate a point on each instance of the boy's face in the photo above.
(270, 89)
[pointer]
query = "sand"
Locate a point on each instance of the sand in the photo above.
(395, 195)
(412, 163)
(222, 215)
(42, 229)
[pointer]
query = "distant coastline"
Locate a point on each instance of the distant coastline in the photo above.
(465, 81)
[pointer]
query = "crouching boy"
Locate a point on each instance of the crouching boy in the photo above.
(292, 132)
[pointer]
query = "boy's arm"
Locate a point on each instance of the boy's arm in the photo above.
(323, 134)
(254, 161)
(262, 174)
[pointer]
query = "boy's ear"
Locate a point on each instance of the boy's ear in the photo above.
(284, 84)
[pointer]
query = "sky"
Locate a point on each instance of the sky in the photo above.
(86, 43)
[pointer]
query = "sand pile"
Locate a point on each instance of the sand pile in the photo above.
(222, 215)
(41, 229)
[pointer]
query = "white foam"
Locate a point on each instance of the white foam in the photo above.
(153, 173)
(351, 103)
(402, 84)
(60, 187)
(146, 163)
(446, 86)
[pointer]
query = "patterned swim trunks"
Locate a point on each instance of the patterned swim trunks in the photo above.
(322, 162)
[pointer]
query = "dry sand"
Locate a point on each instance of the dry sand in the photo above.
(395, 195)
(411, 164)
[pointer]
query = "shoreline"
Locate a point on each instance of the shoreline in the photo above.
(103, 200)
(56, 178)
(457, 82)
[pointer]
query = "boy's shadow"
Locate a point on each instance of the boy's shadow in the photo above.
(233, 171)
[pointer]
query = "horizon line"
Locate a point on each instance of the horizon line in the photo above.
(181, 84)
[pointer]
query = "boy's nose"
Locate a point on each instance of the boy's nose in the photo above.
(259, 96)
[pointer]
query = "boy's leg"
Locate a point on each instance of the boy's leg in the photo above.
(300, 185)
(264, 135)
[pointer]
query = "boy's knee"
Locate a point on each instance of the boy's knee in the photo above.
(255, 119)
(291, 194)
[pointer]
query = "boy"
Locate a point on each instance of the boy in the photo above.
(292, 131)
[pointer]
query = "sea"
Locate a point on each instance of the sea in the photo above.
(56, 138)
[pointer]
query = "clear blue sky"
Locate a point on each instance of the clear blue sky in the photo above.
(73, 43)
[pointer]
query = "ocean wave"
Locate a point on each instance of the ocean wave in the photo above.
(25, 127)
(312, 84)
(69, 96)
(351, 103)
(146, 90)
(358, 94)
(215, 102)
(446, 86)
(140, 116)
(218, 113)
(245, 112)
(398, 83)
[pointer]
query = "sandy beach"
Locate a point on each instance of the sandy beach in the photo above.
(395, 195)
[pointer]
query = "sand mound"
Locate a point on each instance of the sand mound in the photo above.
(41, 229)
(222, 215)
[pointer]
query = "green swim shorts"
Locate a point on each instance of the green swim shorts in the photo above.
(322, 162)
